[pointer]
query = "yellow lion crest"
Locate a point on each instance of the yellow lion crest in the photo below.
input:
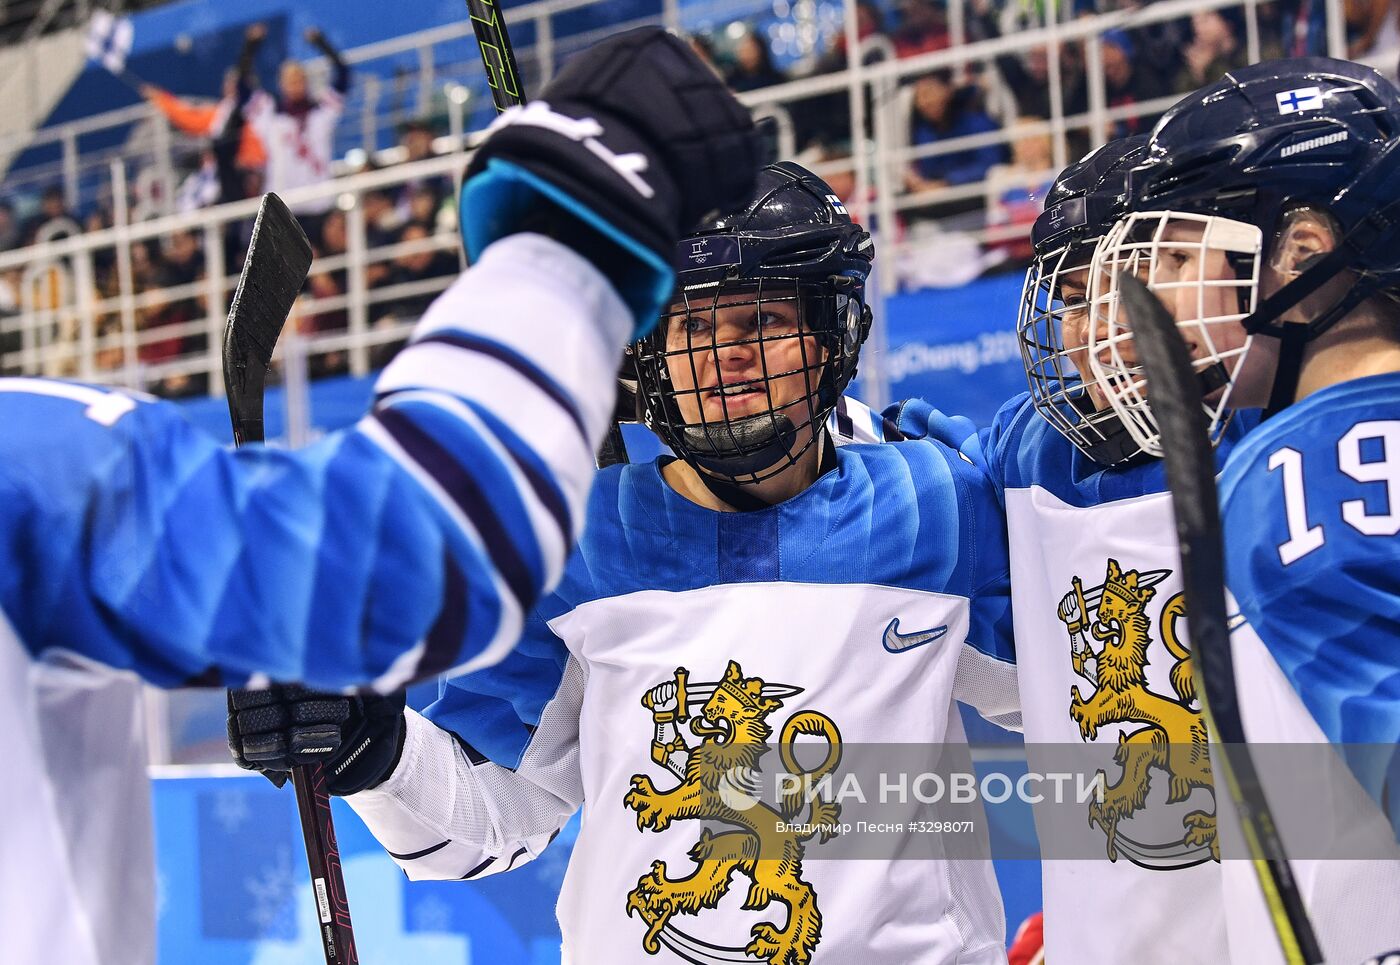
(715, 785)
(1173, 738)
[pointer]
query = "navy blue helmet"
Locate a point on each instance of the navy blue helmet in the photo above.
(1088, 196)
(793, 243)
(1270, 137)
(1083, 203)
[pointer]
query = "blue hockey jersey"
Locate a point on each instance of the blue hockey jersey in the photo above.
(1311, 515)
(1311, 510)
(854, 613)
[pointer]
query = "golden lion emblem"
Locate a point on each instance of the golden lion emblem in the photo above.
(716, 784)
(1173, 738)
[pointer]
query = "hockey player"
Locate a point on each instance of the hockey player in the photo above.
(297, 129)
(1102, 661)
(1266, 220)
(762, 586)
(133, 547)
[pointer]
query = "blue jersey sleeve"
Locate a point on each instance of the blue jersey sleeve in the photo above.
(974, 461)
(496, 711)
(984, 448)
(1311, 511)
(412, 543)
(990, 560)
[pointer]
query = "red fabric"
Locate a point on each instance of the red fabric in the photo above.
(198, 120)
(1028, 946)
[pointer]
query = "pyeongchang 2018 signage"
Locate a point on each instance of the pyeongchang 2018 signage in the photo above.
(956, 347)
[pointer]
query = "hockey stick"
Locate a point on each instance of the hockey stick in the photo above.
(506, 91)
(279, 257)
(1190, 464)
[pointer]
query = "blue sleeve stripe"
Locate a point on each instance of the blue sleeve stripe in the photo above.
(420, 854)
(538, 475)
(464, 490)
(509, 357)
(443, 643)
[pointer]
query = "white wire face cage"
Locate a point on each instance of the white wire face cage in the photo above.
(1205, 269)
(1051, 328)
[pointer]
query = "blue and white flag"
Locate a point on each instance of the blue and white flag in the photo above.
(1302, 99)
(109, 40)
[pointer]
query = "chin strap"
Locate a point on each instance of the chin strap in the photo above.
(743, 498)
(1267, 318)
(1294, 337)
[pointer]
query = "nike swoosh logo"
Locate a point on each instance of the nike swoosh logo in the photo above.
(896, 642)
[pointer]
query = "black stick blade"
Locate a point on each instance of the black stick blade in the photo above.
(279, 257)
(1177, 408)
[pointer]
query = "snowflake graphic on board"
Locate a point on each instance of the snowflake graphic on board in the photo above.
(432, 914)
(231, 810)
(270, 891)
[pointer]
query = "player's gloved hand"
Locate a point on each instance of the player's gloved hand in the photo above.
(358, 738)
(635, 140)
(919, 419)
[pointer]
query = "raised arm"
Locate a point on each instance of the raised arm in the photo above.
(416, 540)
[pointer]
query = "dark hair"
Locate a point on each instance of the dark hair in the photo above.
(875, 12)
(765, 53)
(703, 42)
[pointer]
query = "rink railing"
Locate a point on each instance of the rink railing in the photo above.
(446, 78)
(68, 328)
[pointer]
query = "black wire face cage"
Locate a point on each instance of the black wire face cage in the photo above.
(739, 377)
(1057, 387)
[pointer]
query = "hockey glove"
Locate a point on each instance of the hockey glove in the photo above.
(634, 141)
(358, 738)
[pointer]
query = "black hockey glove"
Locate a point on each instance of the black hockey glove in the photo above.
(635, 139)
(359, 738)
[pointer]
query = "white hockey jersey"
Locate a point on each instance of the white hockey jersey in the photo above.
(134, 547)
(848, 616)
(1100, 650)
(300, 147)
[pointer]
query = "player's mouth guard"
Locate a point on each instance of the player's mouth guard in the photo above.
(741, 446)
(1182, 258)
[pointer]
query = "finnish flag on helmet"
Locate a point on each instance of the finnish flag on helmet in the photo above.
(1301, 99)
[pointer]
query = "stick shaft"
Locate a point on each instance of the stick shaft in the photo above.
(249, 338)
(497, 54)
(1189, 458)
(323, 861)
(506, 91)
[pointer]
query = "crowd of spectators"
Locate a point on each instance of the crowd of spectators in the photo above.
(977, 139)
(993, 113)
(249, 141)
